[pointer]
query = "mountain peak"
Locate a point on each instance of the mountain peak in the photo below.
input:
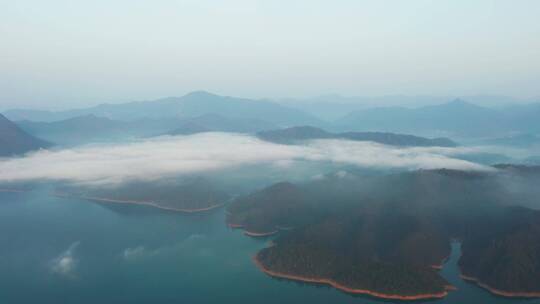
(458, 102)
(200, 94)
(458, 105)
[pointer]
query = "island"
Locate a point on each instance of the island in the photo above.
(299, 134)
(264, 213)
(186, 196)
(503, 253)
(388, 235)
(355, 254)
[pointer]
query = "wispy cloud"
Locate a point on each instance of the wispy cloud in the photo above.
(66, 262)
(169, 156)
(132, 254)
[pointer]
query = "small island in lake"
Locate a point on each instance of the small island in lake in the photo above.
(188, 196)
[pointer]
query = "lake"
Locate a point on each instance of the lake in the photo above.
(55, 250)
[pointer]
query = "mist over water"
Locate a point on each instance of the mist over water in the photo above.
(381, 147)
(136, 255)
(70, 250)
(213, 152)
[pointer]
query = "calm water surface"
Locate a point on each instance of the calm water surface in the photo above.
(56, 250)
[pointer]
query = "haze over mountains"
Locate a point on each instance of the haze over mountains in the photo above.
(90, 128)
(191, 105)
(193, 113)
(184, 152)
(14, 141)
(334, 106)
(369, 203)
(456, 122)
(458, 118)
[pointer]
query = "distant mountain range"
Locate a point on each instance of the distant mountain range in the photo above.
(525, 140)
(81, 129)
(202, 111)
(296, 134)
(15, 141)
(91, 128)
(191, 105)
(457, 118)
(218, 123)
(334, 106)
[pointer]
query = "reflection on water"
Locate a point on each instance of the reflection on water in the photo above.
(72, 251)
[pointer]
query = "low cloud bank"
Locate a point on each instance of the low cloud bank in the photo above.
(170, 156)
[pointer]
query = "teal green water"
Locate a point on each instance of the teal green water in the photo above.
(180, 259)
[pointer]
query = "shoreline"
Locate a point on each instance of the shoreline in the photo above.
(235, 226)
(141, 203)
(495, 291)
(498, 292)
(352, 290)
(260, 234)
(440, 266)
(12, 190)
(252, 233)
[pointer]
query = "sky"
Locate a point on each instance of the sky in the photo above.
(67, 53)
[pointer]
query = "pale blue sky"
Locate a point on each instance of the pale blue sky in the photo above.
(69, 53)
